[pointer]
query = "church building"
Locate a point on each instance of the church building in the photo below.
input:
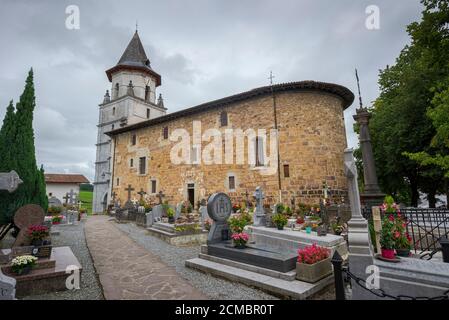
(138, 141)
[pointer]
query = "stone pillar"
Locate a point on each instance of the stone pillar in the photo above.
(360, 254)
(371, 196)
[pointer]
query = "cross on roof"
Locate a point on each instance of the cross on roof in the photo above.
(129, 189)
(271, 77)
(160, 195)
(141, 193)
(66, 197)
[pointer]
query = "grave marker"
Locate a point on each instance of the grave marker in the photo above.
(259, 217)
(9, 181)
(28, 215)
(160, 195)
(7, 287)
(219, 208)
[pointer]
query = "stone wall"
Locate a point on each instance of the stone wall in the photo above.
(312, 141)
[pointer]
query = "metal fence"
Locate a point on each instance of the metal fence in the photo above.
(426, 226)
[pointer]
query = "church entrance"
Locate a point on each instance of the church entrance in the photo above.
(105, 202)
(191, 193)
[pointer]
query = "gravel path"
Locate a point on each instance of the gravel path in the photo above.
(73, 236)
(214, 288)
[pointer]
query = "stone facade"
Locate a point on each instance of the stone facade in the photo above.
(312, 141)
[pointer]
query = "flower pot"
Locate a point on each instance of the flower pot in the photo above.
(171, 219)
(37, 243)
(403, 252)
(240, 246)
(24, 270)
(312, 273)
(388, 253)
(280, 227)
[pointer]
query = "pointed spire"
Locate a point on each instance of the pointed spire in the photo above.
(107, 97)
(160, 102)
(130, 90)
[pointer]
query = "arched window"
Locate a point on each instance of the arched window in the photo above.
(117, 87)
(147, 93)
(259, 150)
(223, 119)
(113, 111)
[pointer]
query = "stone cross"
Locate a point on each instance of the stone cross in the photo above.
(141, 193)
(66, 198)
(129, 189)
(72, 197)
(353, 186)
(259, 218)
(9, 181)
(160, 195)
(28, 215)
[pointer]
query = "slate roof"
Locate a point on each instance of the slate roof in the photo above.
(65, 178)
(134, 58)
(344, 93)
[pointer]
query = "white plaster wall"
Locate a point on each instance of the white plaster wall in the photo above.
(59, 190)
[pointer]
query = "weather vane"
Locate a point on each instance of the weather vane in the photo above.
(358, 87)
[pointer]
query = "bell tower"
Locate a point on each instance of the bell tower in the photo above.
(131, 99)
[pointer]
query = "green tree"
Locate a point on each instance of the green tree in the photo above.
(17, 143)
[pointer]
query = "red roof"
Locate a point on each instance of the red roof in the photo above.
(65, 178)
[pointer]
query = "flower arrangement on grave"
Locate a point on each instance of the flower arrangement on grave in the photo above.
(312, 254)
(207, 224)
(236, 207)
(170, 214)
(280, 220)
(37, 233)
(389, 206)
(239, 239)
(54, 210)
(337, 228)
(187, 228)
(313, 263)
(238, 222)
(388, 236)
(56, 219)
(23, 264)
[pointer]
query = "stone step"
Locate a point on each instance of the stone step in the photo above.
(289, 276)
(279, 287)
(156, 231)
(164, 227)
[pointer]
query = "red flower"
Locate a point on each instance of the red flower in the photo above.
(390, 217)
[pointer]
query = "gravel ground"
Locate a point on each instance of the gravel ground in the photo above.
(214, 288)
(73, 236)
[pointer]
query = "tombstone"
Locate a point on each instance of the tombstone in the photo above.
(54, 202)
(178, 210)
(28, 215)
(259, 217)
(149, 219)
(7, 287)
(66, 198)
(158, 211)
(72, 197)
(5, 256)
(219, 207)
(203, 215)
(9, 181)
(71, 216)
(160, 196)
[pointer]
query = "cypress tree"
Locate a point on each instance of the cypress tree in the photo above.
(21, 156)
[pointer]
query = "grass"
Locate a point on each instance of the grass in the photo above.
(86, 200)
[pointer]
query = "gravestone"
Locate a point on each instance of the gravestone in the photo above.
(71, 214)
(54, 202)
(28, 215)
(149, 219)
(5, 256)
(178, 210)
(72, 196)
(203, 215)
(259, 217)
(7, 287)
(158, 211)
(9, 181)
(219, 208)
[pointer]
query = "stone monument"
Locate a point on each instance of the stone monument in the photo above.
(9, 181)
(7, 287)
(28, 215)
(219, 208)
(259, 217)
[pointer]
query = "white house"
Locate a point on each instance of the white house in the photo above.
(59, 184)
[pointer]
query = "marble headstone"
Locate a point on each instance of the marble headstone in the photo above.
(7, 287)
(203, 215)
(219, 208)
(54, 202)
(9, 181)
(158, 211)
(259, 217)
(178, 210)
(28, 215)
(149, 219)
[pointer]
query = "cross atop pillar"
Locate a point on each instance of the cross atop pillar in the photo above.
(160, 195)
(66, 197)
(129, 189)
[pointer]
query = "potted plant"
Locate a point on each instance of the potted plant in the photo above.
(240, 240)
(279, 220)
(387, 237)
(237, 223)
(337, 228)
(171, 215)
(207, 224)
(403, 245)
(314, 263)
(37, 234)
(236, 207)
(23, 264)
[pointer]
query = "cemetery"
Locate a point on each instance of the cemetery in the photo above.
(332, 222)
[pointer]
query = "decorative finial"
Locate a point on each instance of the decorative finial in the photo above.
(137, 26)
(271, 77)
(358, 86)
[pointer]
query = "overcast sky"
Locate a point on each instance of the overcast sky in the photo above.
(204, 50)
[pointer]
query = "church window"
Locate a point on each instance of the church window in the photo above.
(148, 113)
(133, 140)
(259, 150)
(142, 165)
(112, 127)
(231, 181)
(286, 171)
(153, 186)
(118, 181)
(224, 119)
(131, 162)
(147, 93)
(116, 90)
(165, 132)
(113, 111)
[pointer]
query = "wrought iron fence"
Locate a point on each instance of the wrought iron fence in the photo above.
(426, 226)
